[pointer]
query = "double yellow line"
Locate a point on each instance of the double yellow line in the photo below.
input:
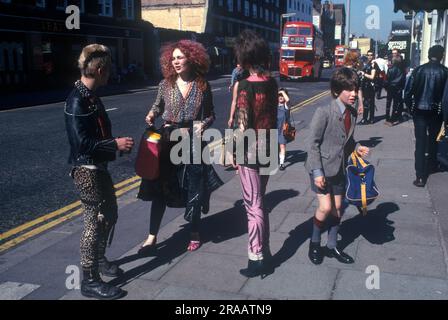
(47, 221)
(50, 220)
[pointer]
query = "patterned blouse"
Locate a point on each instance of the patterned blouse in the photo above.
(175, 108)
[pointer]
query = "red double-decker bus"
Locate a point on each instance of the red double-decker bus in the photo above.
(301, 52)
(339, 55)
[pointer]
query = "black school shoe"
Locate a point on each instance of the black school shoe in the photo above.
(315, 253)
(339, 255)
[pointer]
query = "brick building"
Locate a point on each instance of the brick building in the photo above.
(218, 22)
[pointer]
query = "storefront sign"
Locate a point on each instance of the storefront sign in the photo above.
(400, 45)
(401, 28)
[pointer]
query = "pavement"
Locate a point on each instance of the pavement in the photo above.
(400, 247)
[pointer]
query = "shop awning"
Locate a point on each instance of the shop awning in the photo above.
(418, 5)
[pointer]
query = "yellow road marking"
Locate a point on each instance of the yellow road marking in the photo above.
(77, 212)
(38, 230)
(54, 223)
(56, 213)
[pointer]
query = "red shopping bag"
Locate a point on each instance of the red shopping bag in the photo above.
(147, 164)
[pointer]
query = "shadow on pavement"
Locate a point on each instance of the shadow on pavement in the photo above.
(222, 226)
(372, 142)
(375, 227)
(295, 156)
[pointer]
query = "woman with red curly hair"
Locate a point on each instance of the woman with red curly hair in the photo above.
(351, 60)
(184, 96)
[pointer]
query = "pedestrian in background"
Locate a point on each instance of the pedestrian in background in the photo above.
(394, 85)
(92, 147)
(423, 96)
(381, 78)
(351, 60)
(330, 144)
(283, 116)
(184, 96)
(257, 102)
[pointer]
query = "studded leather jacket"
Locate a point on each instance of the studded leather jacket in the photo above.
(424, 89)
(88, 128)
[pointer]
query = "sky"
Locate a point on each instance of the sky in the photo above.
(359, 17)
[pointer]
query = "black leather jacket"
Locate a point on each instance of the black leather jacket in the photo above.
(395, 78)
(88, 128)
(425, 86)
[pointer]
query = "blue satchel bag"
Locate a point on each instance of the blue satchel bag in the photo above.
(361, 188)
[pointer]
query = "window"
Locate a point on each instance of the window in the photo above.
(246, 8)
(303, 31)
(39, 3)
(6, 1)
(127, 8)
(266, 15)
(239, 5)
(221, 3)
(61, 4)
(230, 5)
(106, 8)
(229, 29)
(291, 31)
(254, 11)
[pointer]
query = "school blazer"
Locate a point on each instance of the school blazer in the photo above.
(329, 145)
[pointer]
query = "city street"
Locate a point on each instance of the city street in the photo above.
(34, 140)
(401, 240)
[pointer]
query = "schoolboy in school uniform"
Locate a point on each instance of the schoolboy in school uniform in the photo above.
(331, 142)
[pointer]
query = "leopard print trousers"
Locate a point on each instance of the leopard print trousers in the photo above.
(99, 204)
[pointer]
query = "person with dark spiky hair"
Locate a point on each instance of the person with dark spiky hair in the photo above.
(256, 110)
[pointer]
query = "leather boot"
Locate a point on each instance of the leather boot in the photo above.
(93, 287)
(254, 268)
(109, 269)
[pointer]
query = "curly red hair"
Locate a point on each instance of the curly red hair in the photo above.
(196, 56)
(351, 59)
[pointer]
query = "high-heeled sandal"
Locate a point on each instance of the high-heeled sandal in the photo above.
(194, 245)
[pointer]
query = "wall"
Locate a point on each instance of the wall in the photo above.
(182, 18)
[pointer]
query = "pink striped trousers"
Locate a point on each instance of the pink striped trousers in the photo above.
(253, 186)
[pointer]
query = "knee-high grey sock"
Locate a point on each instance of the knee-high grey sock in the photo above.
(333, 232)
(317, 230)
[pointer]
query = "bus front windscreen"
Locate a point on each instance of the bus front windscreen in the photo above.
(291, 31)
(288, 54)
(305, 31)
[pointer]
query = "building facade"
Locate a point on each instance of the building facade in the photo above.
(38, 51)
(340, 24)
(303, 10)
(182, 15)
(218, 22)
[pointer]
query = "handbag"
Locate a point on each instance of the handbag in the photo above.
(227, 155)
(147, 164)
(361, 188)
(289, 132)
